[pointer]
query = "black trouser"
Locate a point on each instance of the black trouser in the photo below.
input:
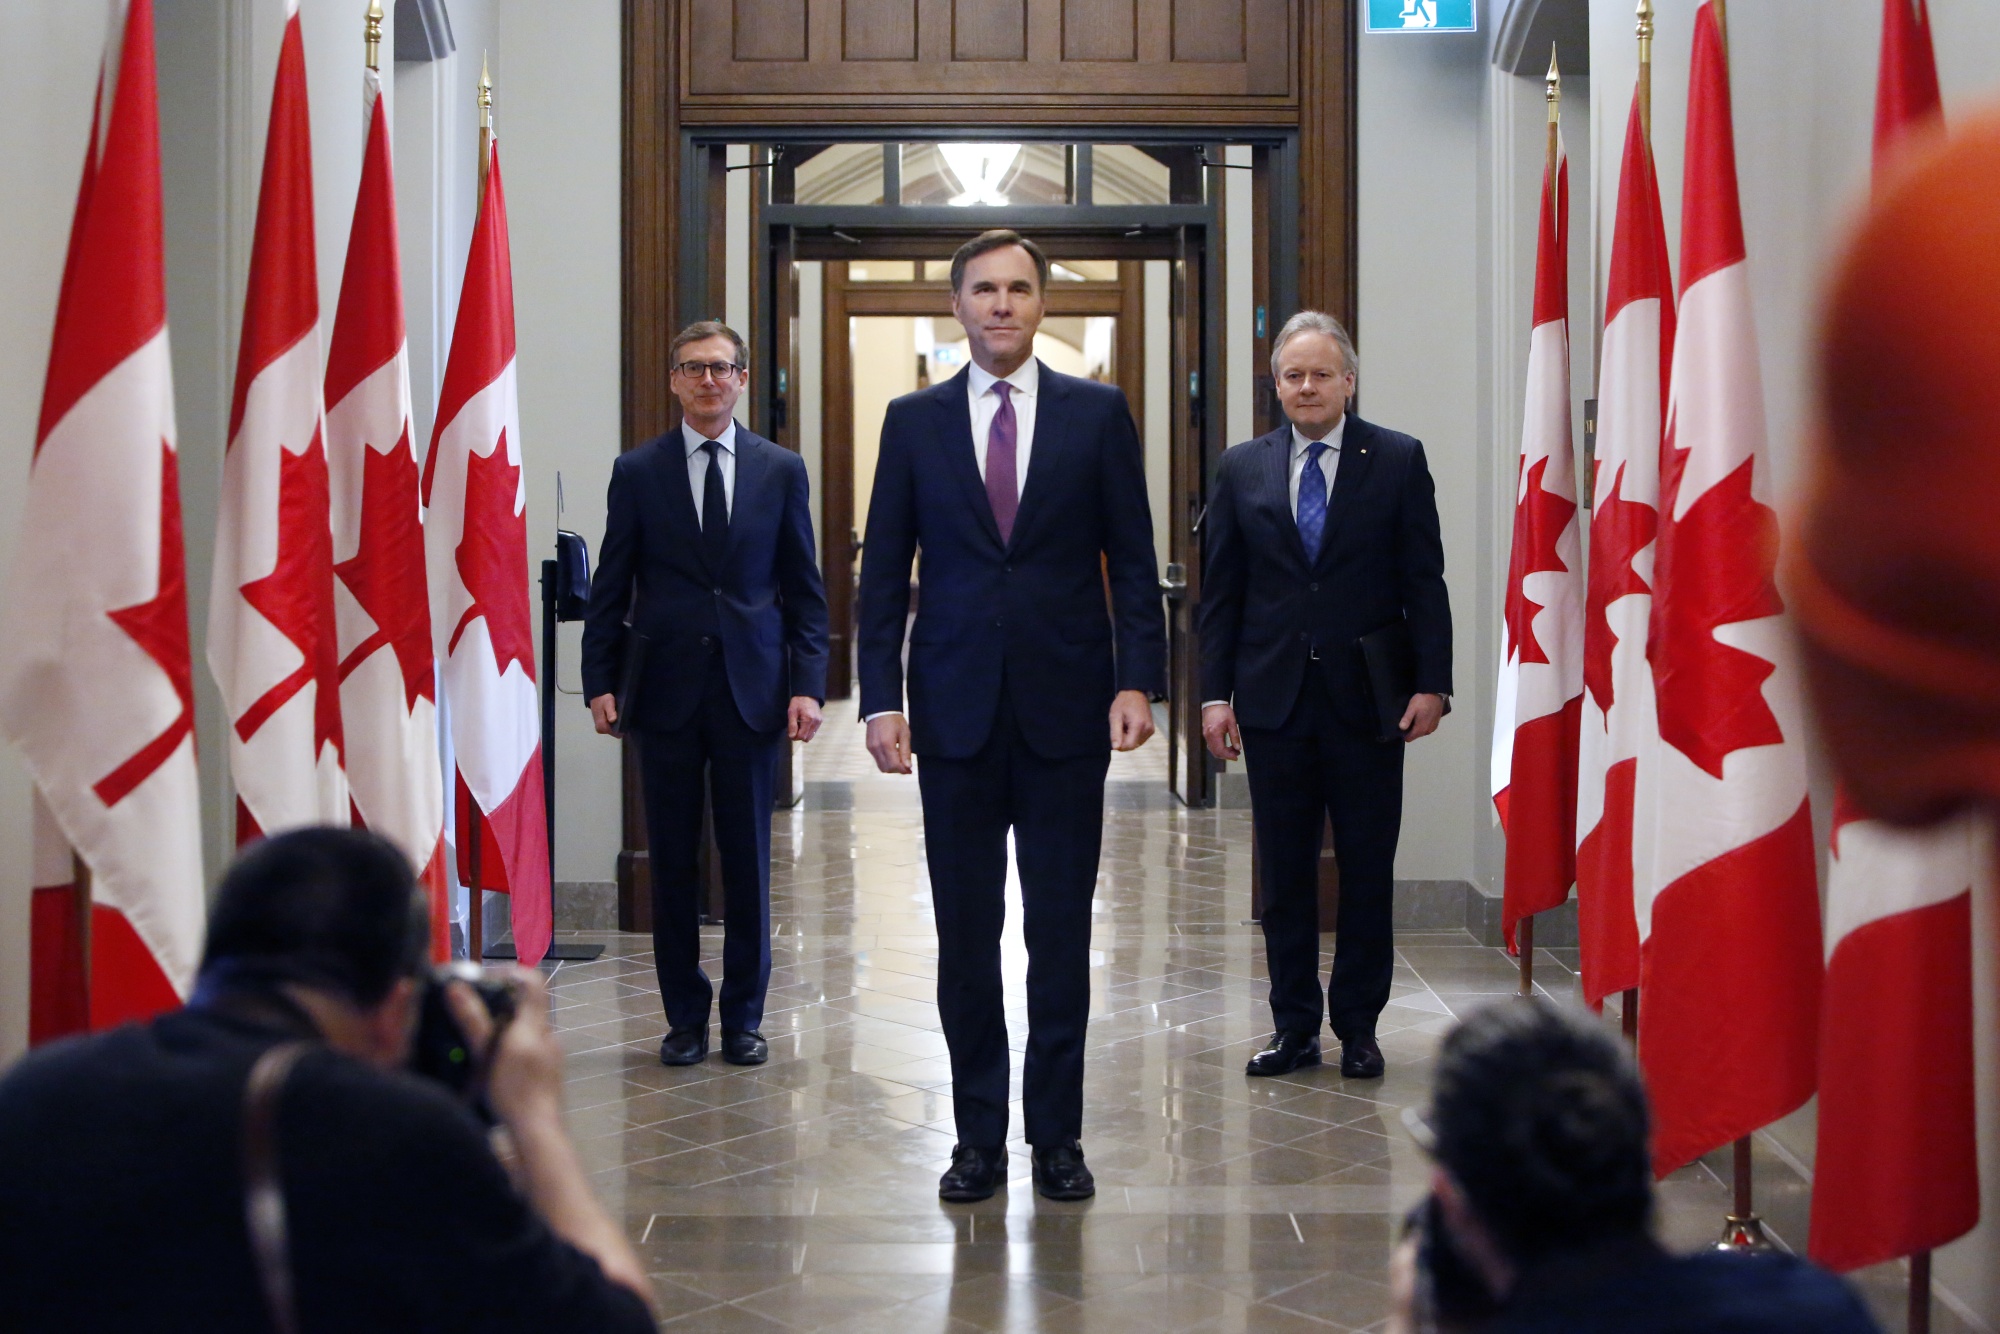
(1317, 765)
(740, 766)
(1056, 811)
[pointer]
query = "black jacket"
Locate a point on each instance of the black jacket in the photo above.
(766, 605)
(1031, 612)
(1265, 607)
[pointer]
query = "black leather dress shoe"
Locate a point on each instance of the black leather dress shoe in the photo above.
(684, 1046)
(1360, 1058)
(1060, 1173)
(1285, 1053)
(744, 1046)
(974, 1174)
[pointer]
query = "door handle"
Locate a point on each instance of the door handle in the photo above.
(1174, 583)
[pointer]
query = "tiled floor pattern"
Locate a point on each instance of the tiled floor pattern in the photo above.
(801, 1195)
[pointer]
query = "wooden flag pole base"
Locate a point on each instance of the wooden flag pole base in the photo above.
(1920, 1293)
(1524, 939)
(1743, 1230)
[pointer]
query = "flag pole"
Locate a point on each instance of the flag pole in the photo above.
(1628, 1009)
(1524, 930)
(475, 890)
(1920, 1293)
(80, 875)
(372, 33)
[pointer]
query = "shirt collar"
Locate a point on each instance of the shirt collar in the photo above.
(1332, 441)
(1026, 379)
(692, 439)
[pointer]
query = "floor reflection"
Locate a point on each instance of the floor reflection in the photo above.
(801, 1195)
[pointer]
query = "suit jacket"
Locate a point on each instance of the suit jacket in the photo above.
(765, 603)
(1265, 605)
(1031, 612)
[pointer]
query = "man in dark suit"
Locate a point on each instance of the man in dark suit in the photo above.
(1317, 534)
(1025, 491)
(707, 571)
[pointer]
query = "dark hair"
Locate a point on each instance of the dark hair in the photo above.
(1539, 1115)
(331, 908)
(997, 239)
(702, 330)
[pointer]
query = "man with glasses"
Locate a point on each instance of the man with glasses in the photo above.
(707, 640)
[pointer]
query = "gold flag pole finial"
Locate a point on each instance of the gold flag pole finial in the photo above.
(1646, 69)
(485, 125)
(1555, 85)
(1554, 94)
(373, 32)
(1722, 27)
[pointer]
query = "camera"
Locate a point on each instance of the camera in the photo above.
(441, 1050)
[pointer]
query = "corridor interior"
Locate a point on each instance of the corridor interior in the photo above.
(801, 1195)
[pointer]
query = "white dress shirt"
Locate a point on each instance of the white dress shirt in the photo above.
(725, 458)
(1027, 382)
(1329, 462)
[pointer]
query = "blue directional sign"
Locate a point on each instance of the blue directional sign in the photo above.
(1422, 16)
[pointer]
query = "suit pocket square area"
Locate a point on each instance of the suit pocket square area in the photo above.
(1390, 657)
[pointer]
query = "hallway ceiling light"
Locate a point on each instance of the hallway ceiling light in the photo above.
(979, 170)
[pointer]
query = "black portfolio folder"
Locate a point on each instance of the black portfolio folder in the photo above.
(629, 673)
(1390, 656)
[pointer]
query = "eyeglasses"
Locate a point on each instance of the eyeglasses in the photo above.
(694, 370)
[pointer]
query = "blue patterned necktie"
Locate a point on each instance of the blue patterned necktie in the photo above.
(1312, 500)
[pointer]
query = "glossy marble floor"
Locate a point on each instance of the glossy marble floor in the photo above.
(801, 1195)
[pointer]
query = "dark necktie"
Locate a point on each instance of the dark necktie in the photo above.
(1312, 500)
(714, 506)
(1002, 487)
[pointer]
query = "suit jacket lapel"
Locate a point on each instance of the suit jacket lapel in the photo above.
(1356, 457)
(1276, 471)
(677, 494)
(955, 411)
(752, 466)
(1051, 419)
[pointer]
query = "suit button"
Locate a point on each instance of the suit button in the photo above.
(718, 592)
(1302, 637)
(1010, 569)
(706, 642)
(1312, 588)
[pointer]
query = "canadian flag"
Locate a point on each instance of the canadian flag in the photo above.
(476, 535)
(1897, 1165)
(1539, 704)
(1728, 920)
(96, 682)
(388, 676)
(1620, 731)
(272, 634)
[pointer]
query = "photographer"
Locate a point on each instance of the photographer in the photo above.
(134, 1159)
(1541, 1204)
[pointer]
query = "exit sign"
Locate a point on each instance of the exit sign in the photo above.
(1422, 15)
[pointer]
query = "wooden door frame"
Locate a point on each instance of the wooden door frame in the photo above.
(1319, 271)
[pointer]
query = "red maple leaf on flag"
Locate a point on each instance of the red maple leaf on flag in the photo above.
(297, 596)
(160, 627)
(1539, 520)
(491, 559)
(1714, 567)
(1619, 531)
(386, 575)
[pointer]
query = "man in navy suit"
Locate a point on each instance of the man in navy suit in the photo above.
(1026, 492)
(707, 570)
(1317, 534)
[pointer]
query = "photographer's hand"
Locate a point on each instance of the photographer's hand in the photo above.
(524, 1086)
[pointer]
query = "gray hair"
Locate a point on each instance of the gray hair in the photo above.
(1319, 322)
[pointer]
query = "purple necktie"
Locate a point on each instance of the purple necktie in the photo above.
(1002, 489)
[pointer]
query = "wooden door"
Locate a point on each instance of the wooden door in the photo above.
(1187, 754)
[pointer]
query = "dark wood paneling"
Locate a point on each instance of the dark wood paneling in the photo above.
(836, 479)
(1209, 31)
(879, 29)
(1100, 30)
(1326, 237)
(765, 30)
(989, 29)
(973, 62)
